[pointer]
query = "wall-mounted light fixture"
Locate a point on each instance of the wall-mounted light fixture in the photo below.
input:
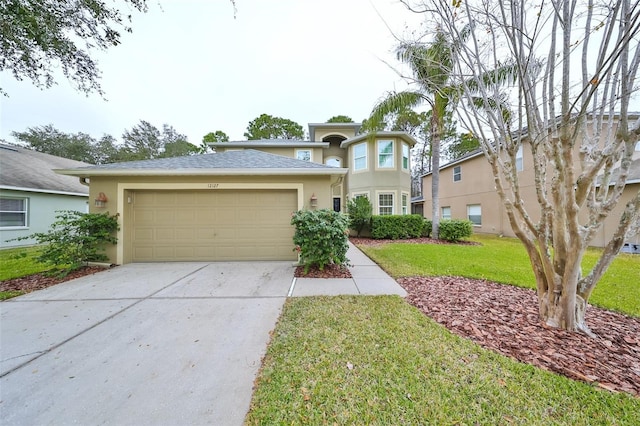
(101, 200)
(314, 200)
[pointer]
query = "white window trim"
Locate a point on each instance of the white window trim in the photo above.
(366, 157)
(408, 157)
(355, 195)
(25, 212)
(394, 197)
(405, 208)
(310, 151)
(442, 212)
(469, 206)
(459, 173)
(393, 155)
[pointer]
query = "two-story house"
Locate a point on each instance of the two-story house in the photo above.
(236, 203)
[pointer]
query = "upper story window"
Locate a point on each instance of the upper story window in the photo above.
(334, 162)
(385, 154)
(638, 146)
(360, 156)
(303, 154)
(519, 160)
(385, 204)
(13, 212)
(457, 173)
(405, 156)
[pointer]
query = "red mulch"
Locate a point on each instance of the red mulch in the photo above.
(505, 319)
(40, 281)
(329, 271)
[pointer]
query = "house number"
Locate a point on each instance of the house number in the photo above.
(213, 185)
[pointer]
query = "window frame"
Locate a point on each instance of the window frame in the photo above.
(24, 212)
(520, 159)
(406, 156)
(469, 215)
(444, 216)
(389, 156)
(404, 203)
(457, 173)
(386, 206)
(309, 151)
(363, 157)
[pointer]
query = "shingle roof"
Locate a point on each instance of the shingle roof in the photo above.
(27, 169)
(239, 161)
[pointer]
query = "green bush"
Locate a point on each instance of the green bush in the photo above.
(321, 238)
(396, 227)
(455, 230)
(428, 227)
(75, 239)
(359, 210)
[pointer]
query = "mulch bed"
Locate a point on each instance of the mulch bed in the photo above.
(505, 319)
(41, 281)
(329, 271)
(362, 241)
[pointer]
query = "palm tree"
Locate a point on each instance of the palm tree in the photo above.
(432, 65)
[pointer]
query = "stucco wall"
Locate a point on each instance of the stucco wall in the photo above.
(41, 214)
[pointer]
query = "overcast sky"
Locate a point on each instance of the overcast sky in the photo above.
(190, 64)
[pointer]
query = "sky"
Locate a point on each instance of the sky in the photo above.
(193, 65)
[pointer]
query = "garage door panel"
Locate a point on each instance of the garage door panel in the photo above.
(213, 225)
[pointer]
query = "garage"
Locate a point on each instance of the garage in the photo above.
(212, 225)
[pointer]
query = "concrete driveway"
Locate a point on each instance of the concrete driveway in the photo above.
(157, 344)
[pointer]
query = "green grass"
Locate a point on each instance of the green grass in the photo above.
(379, 361)
(504, 260)
(16, 263)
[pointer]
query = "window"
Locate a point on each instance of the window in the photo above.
(334, 162)
(638, 146)
(405, 203)
(303, 154)
(385, 154)
(360, 156)
(13, 212)
(457, 173)
(474, 214)
(446, 213)
(385, 204)
(405, 156)
(519, 158)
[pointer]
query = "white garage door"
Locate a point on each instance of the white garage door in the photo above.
(212, 225)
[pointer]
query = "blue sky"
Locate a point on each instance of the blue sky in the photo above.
(192, 65)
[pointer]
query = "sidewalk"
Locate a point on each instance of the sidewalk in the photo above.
(367, 279)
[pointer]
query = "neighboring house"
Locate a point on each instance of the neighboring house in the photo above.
(467, 191)
(237, 204)
(31, 192)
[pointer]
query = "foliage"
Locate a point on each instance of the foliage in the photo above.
(426, 230)
(268, 127)
(578, 66)
(340, 119)
(463, 144)
(395, 227)
(19, 262)
(75, 238)
(455, 230)
(321, 238)
(39, 37)
(49, 140)
(215, 137)
(354, 360)
(505, 260)
(359, 210)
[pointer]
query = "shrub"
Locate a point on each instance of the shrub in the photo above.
(321, 238)
(75, 239)
(396, 227)
(428, 227)
(455, 230)
(359, 210)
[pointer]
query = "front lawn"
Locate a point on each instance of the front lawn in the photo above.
(16, 263)
(504, 260)
(380, 361)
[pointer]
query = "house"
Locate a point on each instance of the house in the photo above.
(467, 191)
(236, 204)
(31, 192)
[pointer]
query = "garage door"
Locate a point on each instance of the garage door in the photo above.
(212, 225)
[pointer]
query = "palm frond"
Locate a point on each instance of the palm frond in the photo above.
(394, 102)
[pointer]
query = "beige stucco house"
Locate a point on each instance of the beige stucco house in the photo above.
(467, 191)
(236, 203)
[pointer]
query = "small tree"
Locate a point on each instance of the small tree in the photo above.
(75, 239)
(360, 211)
(320, 238)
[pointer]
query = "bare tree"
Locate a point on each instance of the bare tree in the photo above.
(578, 68)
